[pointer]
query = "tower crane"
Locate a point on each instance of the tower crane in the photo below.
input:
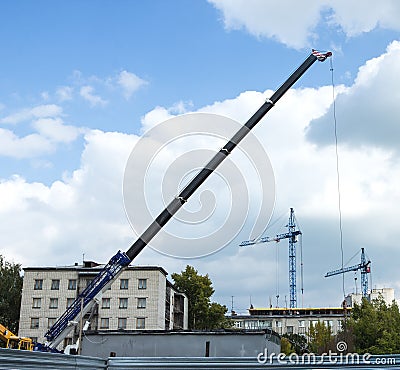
(292, 234)
(365, 268)
(121, 260)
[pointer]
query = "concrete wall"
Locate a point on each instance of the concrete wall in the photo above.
(180, 344)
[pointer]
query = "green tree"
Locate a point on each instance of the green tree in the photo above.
(298, 343)
(203, 314)
(10, 294)
(216, 317)
(286, 346)
(375, 327)
(320, 338)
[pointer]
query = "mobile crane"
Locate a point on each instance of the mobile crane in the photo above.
(121, 260)
(14, 341)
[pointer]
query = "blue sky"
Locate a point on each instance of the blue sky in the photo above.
(81, 81)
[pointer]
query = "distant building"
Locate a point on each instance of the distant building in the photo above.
(386, 293)
(291, 320)
(141, 298)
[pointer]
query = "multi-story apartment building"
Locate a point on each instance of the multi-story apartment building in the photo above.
(291, 320)
(299, 320)
(387, 294)
(141, 298)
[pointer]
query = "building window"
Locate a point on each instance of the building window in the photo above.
(123, 303)
(34, 322)
(105, 303)
(55, 284)
(302, 324)
(37, 302)
(264, 324)
(122, 321)
(140, 323)
(104, 323)
(50, 322)
(88, 282)
(38, 284)
(141, 303)
(70, 301)
(279, 324)
(289, 329)
(328, 323)
(123, 284)
(142, 284)
(71, 284)
(251, 324)
(53, 303)
(339, 325)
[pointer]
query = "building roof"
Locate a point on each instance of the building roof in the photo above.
(222, 332)
(282, 311)
(92, 267)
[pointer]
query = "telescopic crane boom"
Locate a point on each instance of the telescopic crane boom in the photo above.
(121, 260)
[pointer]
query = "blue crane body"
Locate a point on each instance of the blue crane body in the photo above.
(365, 268)
(291, 235)
(121, 260)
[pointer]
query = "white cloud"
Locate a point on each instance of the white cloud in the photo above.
(356, 17)
(155, 116)
(81, 213)
(64, 93)
(45, 95)
(161, 114)
(50, 130)
(288, 22)
(87, 92)
(368, 111)
(28, 146)
(55, 130)
(294, 24)
(126, 82)
(40, 111)
(129, 82)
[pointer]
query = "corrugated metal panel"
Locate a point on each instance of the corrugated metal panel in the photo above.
(17, 359)
(376, 363)
(184, 363)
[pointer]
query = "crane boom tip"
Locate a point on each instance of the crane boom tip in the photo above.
(321, 56)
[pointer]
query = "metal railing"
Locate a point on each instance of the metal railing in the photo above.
(27, 360)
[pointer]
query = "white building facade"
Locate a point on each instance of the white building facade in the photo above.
(291, 320)
(387, 294)
(141, 298)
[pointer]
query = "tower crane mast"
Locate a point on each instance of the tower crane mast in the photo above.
(291, 235)
(365, 268)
